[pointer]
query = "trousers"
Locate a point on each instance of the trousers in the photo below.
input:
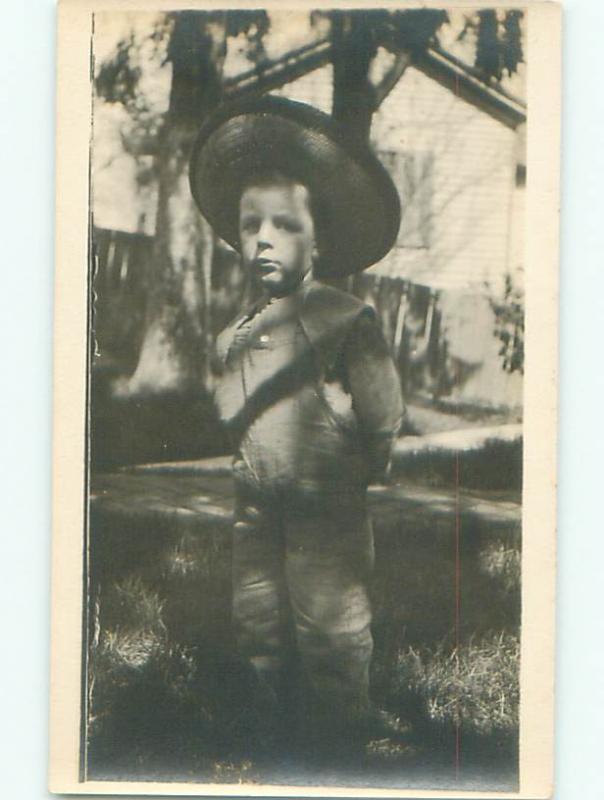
(301, 603)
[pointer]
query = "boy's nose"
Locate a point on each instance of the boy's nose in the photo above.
(265, 235)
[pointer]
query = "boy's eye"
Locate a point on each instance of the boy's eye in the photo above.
(287, 224)
(250, 224)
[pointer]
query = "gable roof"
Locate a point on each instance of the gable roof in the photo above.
(465, 82)
(436, 63)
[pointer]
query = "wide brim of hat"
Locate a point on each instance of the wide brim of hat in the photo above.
(346, 180)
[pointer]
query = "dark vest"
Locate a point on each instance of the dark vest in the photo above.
(271, 394)
(326, 316)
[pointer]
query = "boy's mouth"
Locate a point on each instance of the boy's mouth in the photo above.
(266, 266)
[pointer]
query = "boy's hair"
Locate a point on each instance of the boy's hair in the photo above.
(318, 210)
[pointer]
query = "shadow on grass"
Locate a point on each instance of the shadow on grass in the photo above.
(170, 700)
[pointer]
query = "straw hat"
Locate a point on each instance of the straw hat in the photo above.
(359, 204)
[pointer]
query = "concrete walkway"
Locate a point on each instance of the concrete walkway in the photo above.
(201, 491)
(201, 495)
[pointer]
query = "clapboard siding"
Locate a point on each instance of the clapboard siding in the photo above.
(472, 179)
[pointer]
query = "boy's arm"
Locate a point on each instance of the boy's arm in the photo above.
(375, 390)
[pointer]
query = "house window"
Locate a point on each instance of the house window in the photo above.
(413, 175)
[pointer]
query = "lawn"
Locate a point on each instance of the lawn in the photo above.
(168, 698)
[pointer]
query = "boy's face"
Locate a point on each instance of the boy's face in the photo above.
(276, 233)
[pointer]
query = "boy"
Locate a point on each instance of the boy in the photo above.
(310, 395)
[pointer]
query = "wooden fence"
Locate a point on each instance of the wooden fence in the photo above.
(411, 316)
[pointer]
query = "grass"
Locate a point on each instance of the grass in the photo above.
(159, 709)
(475, 686)
(169, 698)
(143, 693)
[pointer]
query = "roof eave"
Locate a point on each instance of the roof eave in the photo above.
(450, 73)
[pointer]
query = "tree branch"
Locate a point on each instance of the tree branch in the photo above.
(391, 78)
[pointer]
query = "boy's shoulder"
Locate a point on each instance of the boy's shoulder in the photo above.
(321, 298)
(328, 315)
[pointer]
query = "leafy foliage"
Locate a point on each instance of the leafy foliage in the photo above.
(118, 77)
(498, 45)
(120, 80)
(509, 326)
(413, 29)
(255, 25)
(512, 41)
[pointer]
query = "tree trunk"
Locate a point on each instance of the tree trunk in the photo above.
(175, 352)
(353, 49)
